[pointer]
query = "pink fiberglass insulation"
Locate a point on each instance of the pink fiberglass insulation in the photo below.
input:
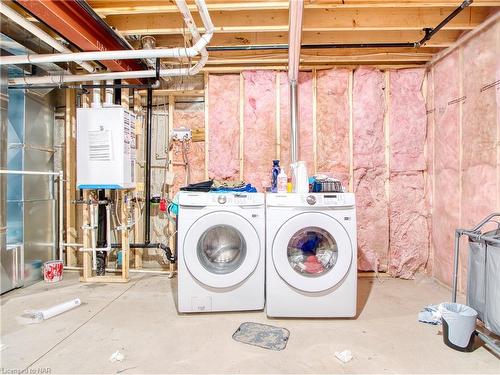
(408, 120)
(370, 169)
(259, 127)
(479, 130)
(409, 234)
(372, 218)
(191, 119)
(224, 126)
(446, 200)
(368, 118)
(305, 121)
(332, 119)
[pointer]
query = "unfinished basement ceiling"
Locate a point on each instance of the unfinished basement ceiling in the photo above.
(260, 22)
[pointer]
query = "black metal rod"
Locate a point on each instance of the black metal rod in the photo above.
(429, 33)
(149, 122)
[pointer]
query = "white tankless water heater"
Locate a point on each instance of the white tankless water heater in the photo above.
(105, 143)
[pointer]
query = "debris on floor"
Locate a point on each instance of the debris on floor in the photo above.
(262, 335)
(430, 314)
(344, 356)
(116, 357)
(3, 347)
(38, 316)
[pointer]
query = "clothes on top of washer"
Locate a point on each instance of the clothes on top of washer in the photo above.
(220, 187)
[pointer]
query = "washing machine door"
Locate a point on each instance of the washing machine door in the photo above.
(221, 249)
(312, 252)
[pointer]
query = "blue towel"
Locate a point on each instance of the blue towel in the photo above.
(248, 188)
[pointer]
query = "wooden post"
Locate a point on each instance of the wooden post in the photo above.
(70, 174)
(171, 229)
(278, 115)
(351, 132)
(242, 127)
(206, 124)
(139, 176)
(124, 237)
(314, 120)
(87, 256)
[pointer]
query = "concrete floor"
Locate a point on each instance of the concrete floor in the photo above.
(140, 320)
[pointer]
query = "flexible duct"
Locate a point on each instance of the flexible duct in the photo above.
(198, 48)
(40, 34)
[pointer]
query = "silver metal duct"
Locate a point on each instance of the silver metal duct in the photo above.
(4, 100)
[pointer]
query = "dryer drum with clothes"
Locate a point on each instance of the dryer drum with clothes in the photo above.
(311, 255)
(220, 244)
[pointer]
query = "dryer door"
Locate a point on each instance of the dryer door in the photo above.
(312, 252)
(221, 249)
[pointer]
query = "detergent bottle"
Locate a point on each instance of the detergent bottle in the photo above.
(282, 181)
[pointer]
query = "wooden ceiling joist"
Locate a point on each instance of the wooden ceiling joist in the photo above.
(315, 20)
(110, 8)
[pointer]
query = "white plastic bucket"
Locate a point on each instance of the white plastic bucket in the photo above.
(459, 325)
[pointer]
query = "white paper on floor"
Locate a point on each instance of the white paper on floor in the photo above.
(344, 356)
(116, 357)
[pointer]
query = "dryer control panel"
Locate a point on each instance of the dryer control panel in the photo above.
(311, 200)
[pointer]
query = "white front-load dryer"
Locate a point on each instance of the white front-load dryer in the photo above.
(311, 256)
(220, 245)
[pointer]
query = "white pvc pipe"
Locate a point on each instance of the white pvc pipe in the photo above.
(199, 47)
(109, 94)
(6, 171)
(96, 96)
(40, 34)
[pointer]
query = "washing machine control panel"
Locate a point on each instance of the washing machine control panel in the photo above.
(332, 199)
(311, 199)
(202, 199)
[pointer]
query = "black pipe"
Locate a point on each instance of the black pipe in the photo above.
(168, 253)
(117, 91)
(429, 33)
(149, 122)
(101, 235)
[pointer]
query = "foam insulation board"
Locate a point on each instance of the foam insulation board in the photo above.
(369, 169)
(192, 119)
(224, 126)
(409, 234)
(305, 87)
(408, 120)
(259, 127)
(332, 123)
(446, 201)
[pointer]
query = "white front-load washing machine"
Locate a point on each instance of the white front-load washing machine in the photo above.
(220, 251)
(311, 256)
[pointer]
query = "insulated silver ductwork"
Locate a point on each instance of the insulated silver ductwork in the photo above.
(199, 48)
